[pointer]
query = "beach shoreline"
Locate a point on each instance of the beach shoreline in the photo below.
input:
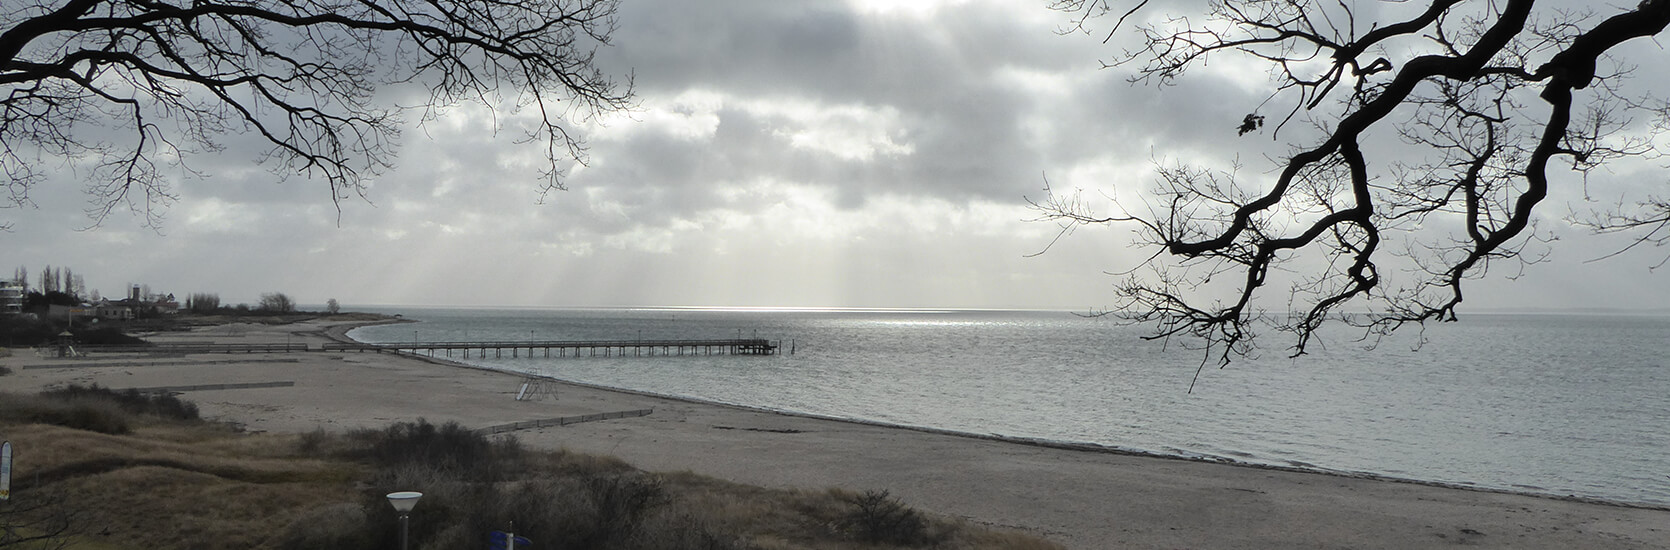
(1086, 496)
(342, 337)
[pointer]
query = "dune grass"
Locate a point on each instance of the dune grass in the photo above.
(168, 480)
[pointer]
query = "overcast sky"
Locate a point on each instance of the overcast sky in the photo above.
(805, 154)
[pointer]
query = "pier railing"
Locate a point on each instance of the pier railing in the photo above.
(574, 348)
(195, 348)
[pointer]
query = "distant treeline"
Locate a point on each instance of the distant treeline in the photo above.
(271, 302)
(202, 302)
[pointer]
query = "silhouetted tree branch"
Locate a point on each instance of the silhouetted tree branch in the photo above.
(38, 520)
(129, 89)
(1492, 101)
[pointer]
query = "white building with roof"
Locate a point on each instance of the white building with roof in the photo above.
(11, 297)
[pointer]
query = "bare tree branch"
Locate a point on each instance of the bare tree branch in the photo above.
(1466, 82)
(302, 75)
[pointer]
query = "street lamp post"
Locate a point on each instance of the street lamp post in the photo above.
(403, 502)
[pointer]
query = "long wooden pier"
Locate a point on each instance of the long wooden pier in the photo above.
(180, 349)
(515, 349)
(568, 348)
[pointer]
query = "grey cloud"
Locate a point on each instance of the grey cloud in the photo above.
(985, 96)
(965, 128)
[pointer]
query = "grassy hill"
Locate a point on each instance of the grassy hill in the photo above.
(96, 469)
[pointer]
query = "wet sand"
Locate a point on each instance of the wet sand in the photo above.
(1082, 498)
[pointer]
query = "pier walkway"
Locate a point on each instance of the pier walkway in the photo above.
(587, 348)
(590, 348)
(192, 348)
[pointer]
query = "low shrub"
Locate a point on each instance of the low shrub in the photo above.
(686, 532)
(94, 408)
(160, 405)
(313, 442)
(449, 448)
(596, 513)
(622, 502)
(877, 517)
(92, 415)
(473, 484)
(106, 336)
(341, 525)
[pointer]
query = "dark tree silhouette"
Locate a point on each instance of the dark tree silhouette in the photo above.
(277, 302)
(125, 91)
(1494, 103)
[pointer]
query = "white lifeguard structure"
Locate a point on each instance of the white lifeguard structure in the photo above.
(535, 388)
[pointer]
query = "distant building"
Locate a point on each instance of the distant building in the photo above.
(167, 305)
(11, 297)
(112, 311)
(71, 314)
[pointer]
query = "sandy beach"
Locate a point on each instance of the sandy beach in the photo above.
(1082, 498)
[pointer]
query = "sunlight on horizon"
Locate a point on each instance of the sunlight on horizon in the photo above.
(916, 8)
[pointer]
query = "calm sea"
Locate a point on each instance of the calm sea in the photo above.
(1550, 404)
